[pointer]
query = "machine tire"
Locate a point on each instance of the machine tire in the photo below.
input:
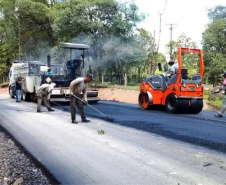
(33, 98)
(145, 100)
(171, 104)
(22, 97)
(11, 94)
(27, 96)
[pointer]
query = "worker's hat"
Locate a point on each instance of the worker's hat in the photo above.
(51, 86)
(90, 76)
(171, 61)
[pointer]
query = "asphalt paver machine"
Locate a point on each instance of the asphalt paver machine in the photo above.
(63, 74)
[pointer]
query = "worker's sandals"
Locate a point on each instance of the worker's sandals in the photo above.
(85, 120)
(75, 122)
(218, 115)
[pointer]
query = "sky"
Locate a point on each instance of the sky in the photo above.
(189, 16)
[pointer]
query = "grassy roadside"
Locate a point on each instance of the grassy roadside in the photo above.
(110, 85)
(215, 103)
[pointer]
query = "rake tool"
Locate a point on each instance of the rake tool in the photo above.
(106, 117)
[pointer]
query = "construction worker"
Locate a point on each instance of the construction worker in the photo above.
(78, 89)
(18, 88)
(174, 66)
(223, 108)
(44, 93)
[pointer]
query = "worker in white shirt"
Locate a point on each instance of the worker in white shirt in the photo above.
(174, 66)
(78, 88)
(43, 93)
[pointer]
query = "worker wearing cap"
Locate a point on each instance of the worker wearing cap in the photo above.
(78, 88)
(174, 66)
(19, 81)
(223, 108)
(43, 93)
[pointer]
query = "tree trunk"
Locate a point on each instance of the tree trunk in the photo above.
(102, 78)
(138, 75)
(125, 77)
(153, 68)
(207, 80)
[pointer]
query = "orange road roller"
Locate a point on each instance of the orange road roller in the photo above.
(181, 92)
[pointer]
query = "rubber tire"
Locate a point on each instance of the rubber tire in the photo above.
(171, 104)
(22, 98)
(11, 94)
(27, 97)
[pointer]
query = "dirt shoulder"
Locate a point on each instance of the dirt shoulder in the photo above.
(121, 95)
(131, 96)
(4, 90)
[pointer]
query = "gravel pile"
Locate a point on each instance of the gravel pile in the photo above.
(16, 167)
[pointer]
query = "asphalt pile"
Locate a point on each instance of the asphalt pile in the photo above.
(17, 167)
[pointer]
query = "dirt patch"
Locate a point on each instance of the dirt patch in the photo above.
(116, 94)
(4, 90)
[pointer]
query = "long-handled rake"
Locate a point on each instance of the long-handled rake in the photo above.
(106, 117)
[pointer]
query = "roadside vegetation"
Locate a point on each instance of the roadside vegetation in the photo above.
(216, 103)
(120, 52)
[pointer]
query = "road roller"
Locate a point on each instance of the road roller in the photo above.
(181, 92)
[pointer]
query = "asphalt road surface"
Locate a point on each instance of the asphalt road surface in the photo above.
(139, 147)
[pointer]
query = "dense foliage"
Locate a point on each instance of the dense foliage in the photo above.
(119, 51)
(214, 45)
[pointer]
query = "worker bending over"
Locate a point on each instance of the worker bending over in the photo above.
(78, 89)
(43, 93)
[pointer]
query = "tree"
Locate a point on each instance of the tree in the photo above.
(214, 46)
(218, 12)
(108, 25)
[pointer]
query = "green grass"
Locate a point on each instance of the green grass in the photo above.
(206, 94)
(128, 87)
(216, 103)
(101, 132)
(135, 87)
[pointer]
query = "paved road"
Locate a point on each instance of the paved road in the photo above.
(139, 147)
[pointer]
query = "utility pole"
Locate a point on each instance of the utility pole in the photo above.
(171, 37)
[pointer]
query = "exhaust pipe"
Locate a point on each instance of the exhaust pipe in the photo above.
(49, 63)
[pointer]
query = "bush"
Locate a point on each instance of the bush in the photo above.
(206, 94)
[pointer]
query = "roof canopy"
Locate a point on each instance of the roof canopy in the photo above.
(75, 46)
